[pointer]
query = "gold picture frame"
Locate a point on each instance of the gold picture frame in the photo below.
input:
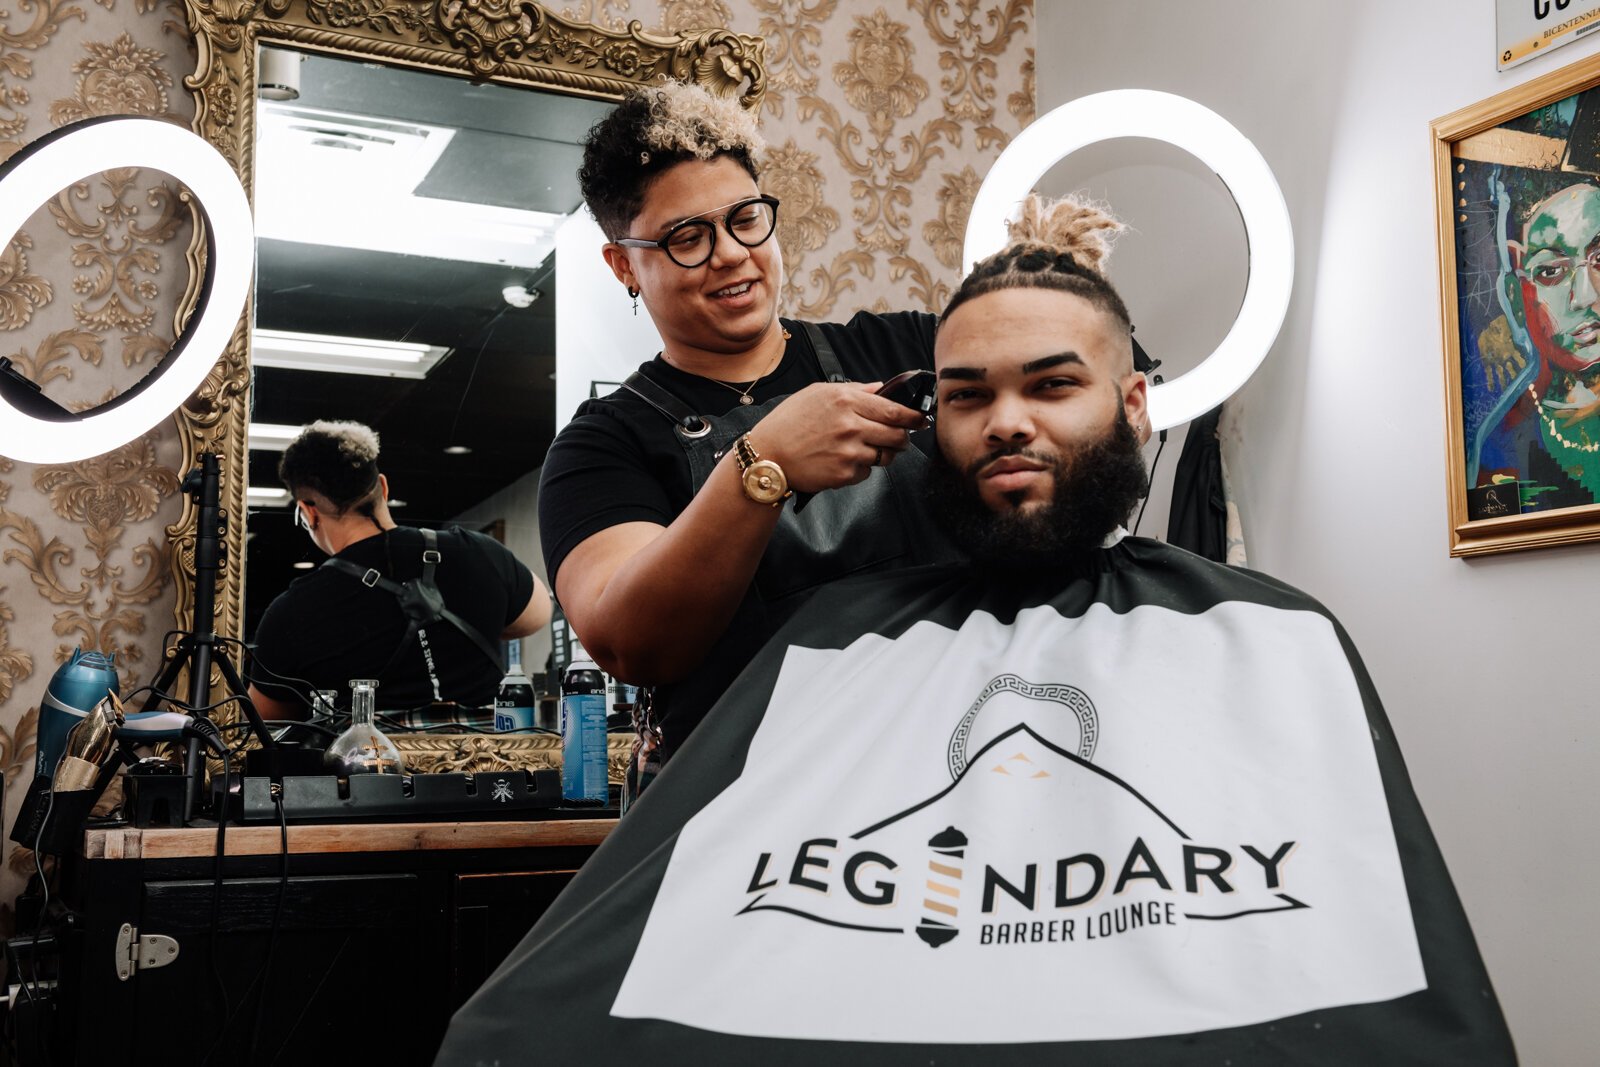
(511, 42)
(1522, 422)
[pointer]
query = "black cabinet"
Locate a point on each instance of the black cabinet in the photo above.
(357, 957)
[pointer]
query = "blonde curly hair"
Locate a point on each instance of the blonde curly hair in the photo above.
(336, 460)
(653, 130)
(690, 119)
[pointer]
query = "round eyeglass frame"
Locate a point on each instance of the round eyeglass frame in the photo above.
(709, 224)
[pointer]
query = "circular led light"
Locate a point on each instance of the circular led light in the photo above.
(1215, 142)
(42, 169)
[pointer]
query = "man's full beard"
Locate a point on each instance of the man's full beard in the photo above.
(1097, 486)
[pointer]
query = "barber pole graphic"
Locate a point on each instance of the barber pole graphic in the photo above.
(942, 904)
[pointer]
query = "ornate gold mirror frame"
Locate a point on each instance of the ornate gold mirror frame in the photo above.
(513, 42)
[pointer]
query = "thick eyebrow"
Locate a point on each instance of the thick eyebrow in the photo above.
(1046, 362)
(963, 374)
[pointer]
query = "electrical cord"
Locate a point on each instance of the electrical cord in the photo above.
(264, 976)
(38, 920)
(216, 913)
(1152, 480)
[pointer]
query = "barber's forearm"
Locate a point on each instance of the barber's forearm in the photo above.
(271, 708)
(665, 606)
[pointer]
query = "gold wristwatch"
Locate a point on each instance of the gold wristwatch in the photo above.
(763, 480)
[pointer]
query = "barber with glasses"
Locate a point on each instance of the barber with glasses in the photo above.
(685, 516)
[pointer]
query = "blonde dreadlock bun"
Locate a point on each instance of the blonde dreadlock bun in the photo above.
(1074, 224)
(1055, 244)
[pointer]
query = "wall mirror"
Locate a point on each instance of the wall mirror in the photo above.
(410, 165)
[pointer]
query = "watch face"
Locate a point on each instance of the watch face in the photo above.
(764, 482)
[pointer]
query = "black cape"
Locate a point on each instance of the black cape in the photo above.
(1147, 810)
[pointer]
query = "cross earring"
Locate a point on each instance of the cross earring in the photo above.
(635, 294)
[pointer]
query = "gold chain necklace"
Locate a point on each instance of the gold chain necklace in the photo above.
(744, 394)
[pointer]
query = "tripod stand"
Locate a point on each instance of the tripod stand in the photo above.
(198, 649)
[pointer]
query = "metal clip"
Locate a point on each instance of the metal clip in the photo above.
(431, 555)
(370, 578)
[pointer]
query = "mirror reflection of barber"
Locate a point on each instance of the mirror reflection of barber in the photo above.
(668, 528)
(422, 611)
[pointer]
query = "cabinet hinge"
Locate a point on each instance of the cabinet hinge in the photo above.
(135, 953)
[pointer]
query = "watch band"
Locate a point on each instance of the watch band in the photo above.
(761, 479)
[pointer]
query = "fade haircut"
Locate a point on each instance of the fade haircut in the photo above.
(1055, 244)
(652, 131)
(338, 461)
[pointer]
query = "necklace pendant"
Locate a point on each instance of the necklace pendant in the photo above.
(747, 399)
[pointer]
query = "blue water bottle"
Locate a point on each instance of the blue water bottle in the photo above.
(583, 731)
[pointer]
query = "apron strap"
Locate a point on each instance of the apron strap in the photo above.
(420, 601)
(831, 370)
(676, 411)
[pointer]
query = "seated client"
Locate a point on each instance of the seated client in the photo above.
(1088, 799)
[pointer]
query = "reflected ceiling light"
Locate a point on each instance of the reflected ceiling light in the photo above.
(272, 436)
(258, 496)
(396, 503)
(457, 450)
(343, 355)
(33, 428)
(1215, 142)
(277, 74)
(301, 152)
(520, 296)
(304, 565)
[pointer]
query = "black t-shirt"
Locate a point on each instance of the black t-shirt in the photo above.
(328, 627)
(619, 460)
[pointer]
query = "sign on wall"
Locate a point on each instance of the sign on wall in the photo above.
(1527, 28)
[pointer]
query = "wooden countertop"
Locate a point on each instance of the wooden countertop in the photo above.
(189, 842)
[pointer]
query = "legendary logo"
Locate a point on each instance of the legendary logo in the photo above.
(1030, 843)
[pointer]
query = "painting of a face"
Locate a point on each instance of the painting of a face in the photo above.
(1523, 290)
(1560, 242)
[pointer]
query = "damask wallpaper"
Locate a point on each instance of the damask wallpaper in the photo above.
(88, 291)
(883, 116)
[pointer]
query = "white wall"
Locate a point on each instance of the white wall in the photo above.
(599, 337)
(1487, 668)
(518, 505)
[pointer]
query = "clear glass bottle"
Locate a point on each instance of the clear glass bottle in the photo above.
(324, 703)
(363, 748)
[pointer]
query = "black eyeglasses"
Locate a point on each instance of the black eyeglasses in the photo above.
(691, 242)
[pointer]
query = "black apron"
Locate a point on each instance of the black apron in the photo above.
(876, 524)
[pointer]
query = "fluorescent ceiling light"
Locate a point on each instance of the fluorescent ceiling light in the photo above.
(1214, 141)
(263, 497)
(272, 436)
(62, 157)
(343, 355)
(304, 152)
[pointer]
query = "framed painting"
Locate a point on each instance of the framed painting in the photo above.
(1518, 187)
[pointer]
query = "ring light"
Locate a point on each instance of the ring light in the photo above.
(33, 428)
(1215, 142)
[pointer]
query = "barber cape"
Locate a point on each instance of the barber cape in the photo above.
(1148, 812)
